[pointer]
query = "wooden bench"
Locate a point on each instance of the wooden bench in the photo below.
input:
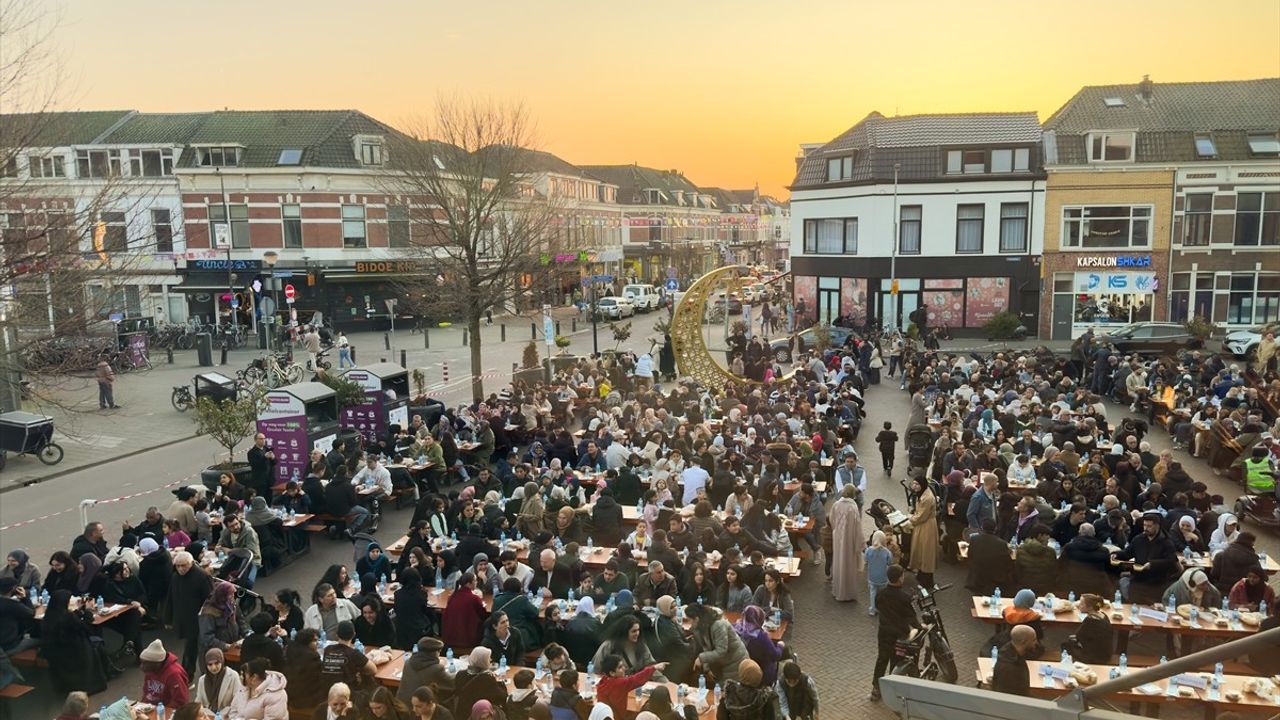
(13, 691)
(29, 658)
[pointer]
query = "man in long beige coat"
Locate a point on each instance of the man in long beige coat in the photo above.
(847, 545)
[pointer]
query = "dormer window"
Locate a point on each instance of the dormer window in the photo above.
(653, 196)
(1205, 147)
(1111, 146)
(368, 149)
(1264, 144)
(218, 156)
(151, 163)
(839, 168)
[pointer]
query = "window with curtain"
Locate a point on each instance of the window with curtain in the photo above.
(831, 236)
(909, 219)
(969, 220)
(1198, 219)
(353, 230)
(1013, 227)
(291, 219)
(239, 222)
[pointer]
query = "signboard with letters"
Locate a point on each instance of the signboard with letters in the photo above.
(1113, 261)
(225, 265)
(1115, 282)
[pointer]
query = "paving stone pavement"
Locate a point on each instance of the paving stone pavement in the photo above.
(836, 642)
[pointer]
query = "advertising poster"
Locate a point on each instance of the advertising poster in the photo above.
(399, 416)
(365, 419)
(945, 298)
(138, 349)
(853, 299)
(986, 298)
(806, 292)
(287, 437)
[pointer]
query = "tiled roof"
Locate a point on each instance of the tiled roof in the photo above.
(1185, 107)
(633, 180)
(324, 136)
(156, 128)
(57, 128)
(915, 142)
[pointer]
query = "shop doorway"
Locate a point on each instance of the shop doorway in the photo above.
(828, 299)
(1062, 310)
(894, 312)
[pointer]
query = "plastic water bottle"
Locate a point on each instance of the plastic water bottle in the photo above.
(449, 655)
(1186, 552)
(359, 647)
(1262, 608)
(1066, 658)
(1124, 661)
(777, 616)
(702, 685)
(439, 579)
(591, 668)
(1225, 605)
(590, 543)
(609, 605)
(700, 548)
(571, 598)
(160, 710)
(791, 553)
(1118, 601)
(1217, 673)
(502, 664)
(680, 694)
(1195, 614)
(1172, 604)
(324, 637)
(101, 604)
(495, 587)
(166, 542)
(995, 599)
(503, 537)
(293, 634)
(541, 664)
(995, 653)
(1164, 659)
(1071, 596)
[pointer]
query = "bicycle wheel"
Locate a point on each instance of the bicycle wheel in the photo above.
(293, 373)
(51, 454)
(184, 341)
(254, 375)
(182, 402)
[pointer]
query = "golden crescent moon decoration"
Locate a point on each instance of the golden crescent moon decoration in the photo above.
(693, 359)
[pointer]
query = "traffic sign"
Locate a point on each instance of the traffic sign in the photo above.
(235, 302)
(267, 305)
(602, 278)
(672, 285)
(894, 289)
(289, 292)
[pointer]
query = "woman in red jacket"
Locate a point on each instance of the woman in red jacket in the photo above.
(464, 615)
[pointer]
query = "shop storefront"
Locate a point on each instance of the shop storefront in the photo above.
(207, 286)
(1102, 291)
(960, 303)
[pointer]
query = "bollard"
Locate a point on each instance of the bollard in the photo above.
(386, 341)
(426, 339)
(558, 328)
(444, 372)
(403, 359)
(503, 329)
(574, 326)
(169, 353)
(533, 331)
(352, 348)
(224, 352)
(464, 337)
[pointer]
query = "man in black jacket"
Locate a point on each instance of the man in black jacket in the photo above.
(188, 589)
(261, 462)
(1010, 674)
(1233, 562)
(90, 542)
(990, 562)
(550, 577)
(1084, 563)
(897, 617)
(1154, 559)
(1067, 525)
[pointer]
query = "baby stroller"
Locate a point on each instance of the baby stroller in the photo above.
(919, 448)
(892, 521)
(238, 569)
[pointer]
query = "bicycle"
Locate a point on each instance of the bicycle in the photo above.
(270, 371)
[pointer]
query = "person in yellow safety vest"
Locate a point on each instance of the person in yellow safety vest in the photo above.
(1259, 472)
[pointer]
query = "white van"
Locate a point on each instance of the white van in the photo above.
(644, 297)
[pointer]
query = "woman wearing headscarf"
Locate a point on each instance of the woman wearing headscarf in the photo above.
(847, 545)
(64, 573)
(218, 686)
(18, 566)
(530, 521)
(413, 612)
(582, 635)
(91, 581)
(475, 682)
(1251, 590)
(1023, 612)
(669, 642)
(155, 571)
(374, 562)
(1193, 588)
(220, 624)
(568, 529)
(659, 703)
(924, 534)
(1227, 532)
(987, 425)
(760, 646)
(76, 659)
(748, 697)
(123, 588)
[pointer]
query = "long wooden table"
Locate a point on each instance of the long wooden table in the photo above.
(100, 616)
(1155, 692)
(1196, 560)
(390, 674)
(1148, 620)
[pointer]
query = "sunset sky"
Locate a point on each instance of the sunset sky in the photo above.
(722, 90)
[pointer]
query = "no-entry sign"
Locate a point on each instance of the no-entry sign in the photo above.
(289, 293)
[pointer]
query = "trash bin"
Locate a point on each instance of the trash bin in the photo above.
(204, 349)
(263, 329)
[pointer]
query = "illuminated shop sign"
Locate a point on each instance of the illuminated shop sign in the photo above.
(1113, 261)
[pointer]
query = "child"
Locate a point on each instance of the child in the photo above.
(520, 701)
(878, 559)
(174, 535)
(797, 693)
(204, 529)
(887, 439)
(565, 698)
(615, 684)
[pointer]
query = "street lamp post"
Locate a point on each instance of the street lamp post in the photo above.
(226, 221)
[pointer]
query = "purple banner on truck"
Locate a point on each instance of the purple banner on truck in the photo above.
(287, 437)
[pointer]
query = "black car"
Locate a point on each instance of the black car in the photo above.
(1152, 338)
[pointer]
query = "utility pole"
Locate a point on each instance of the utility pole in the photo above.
(893, 257)
(226, 220)
(595, 339)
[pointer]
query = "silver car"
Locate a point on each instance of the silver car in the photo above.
(1243, 343)
(615, 308)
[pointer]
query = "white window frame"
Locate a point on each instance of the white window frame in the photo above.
(47, 166)
(1149, 218)
(1270, 143)
(290, 213)
(205, 155)
(86, 155)
(155, 228)
(364, 226)
(1103, 135)
(138, 161)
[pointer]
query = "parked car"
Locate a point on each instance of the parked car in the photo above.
(1152, 338)
(755, 293)
(614, 308)
(735, 303)
(644, 297)
(781, 346)
(1244, 343)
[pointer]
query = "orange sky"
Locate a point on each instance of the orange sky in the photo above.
(723, 90)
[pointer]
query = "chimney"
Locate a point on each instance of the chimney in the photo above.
(1145, 89)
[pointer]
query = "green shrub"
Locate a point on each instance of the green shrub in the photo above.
(1002, 326)
(1200, 327)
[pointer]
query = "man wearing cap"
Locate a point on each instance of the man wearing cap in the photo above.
(424, 669)
(1154, 561)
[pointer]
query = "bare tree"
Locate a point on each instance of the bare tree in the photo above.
(477, 226)
(60, 260)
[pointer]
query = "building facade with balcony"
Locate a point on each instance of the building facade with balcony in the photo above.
(947, 206)
(1162, 204)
